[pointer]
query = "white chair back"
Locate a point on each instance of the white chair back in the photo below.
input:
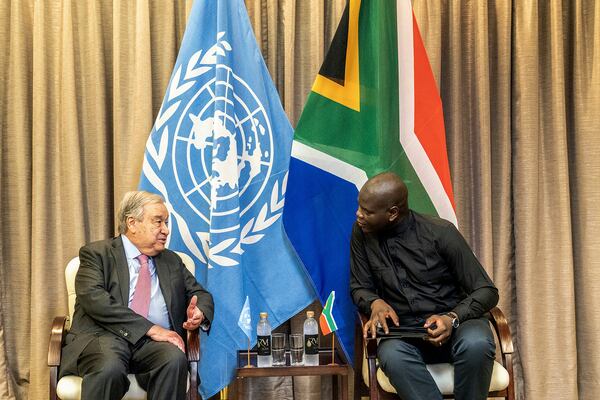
(70, 273)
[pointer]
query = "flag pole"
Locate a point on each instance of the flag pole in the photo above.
(333, 348)
(248, 365)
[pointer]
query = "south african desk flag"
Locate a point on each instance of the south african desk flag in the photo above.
(374, 107)
(326, 320)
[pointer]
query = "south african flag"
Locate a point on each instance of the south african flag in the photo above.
(374, 107)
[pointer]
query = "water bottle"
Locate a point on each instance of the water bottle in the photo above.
(311, 340)
(263, 338)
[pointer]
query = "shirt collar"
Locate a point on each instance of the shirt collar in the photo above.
(131, 252)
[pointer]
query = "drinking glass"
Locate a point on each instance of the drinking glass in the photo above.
(296, 348)
(278, 348)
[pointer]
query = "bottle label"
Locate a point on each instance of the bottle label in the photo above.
(263, 343)
(311, 344)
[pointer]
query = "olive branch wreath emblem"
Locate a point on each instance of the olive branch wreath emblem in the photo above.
(211, 253)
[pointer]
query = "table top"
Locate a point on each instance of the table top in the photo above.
(324, 368)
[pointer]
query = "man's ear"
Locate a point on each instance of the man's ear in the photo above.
(131, 224)
(393, 213)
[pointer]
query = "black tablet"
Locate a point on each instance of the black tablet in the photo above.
(402, 332)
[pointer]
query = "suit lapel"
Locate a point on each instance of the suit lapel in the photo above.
(120, 260)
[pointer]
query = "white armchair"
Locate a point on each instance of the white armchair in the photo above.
(368, 376)
(69, 387)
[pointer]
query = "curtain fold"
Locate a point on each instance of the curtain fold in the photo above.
(583, 126)
(81, 83)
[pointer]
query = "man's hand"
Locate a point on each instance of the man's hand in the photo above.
(442, 331)
(160, 334)
(380, 312)
(194, 315)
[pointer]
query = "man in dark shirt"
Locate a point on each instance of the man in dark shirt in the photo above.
(418, 271)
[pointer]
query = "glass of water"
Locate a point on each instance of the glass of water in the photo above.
(296, 348)
(278, 348)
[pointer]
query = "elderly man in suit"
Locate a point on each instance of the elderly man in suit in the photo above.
(135, 298)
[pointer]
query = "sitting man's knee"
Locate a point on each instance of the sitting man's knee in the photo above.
(175, 358)
(477, 346)
(395, 355)
(111, 368)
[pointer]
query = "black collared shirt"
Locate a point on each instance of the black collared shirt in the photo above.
(421, 266)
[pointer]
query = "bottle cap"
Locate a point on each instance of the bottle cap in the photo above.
(310, 314)
(263, 314)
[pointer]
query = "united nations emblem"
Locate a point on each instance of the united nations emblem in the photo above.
(225, 153)
(221, 156)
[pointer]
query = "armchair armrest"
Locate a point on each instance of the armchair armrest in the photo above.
(193, 356)
(193, 345)
(57, 338)
(370, 345)
(500, 324)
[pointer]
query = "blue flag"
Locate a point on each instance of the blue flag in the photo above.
(219, 154)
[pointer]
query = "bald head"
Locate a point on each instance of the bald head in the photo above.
(389, 190)
(383, 201)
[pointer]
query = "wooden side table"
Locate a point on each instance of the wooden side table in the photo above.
(339, 370)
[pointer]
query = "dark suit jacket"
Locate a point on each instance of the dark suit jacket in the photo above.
(102, 288)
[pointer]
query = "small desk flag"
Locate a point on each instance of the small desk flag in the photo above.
(326, 320)
(245, 321)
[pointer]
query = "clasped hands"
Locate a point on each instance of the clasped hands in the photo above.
(439, 327)
(194, 318)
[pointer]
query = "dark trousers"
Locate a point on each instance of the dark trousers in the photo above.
(160, 368)
(471, 350)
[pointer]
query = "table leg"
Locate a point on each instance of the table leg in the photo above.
(334, 387)
(344, 387)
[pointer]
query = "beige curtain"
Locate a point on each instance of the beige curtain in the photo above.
(81, 83)
(520, 82)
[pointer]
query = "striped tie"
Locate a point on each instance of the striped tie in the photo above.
(141, 296)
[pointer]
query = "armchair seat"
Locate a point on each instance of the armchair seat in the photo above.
(69, 388)
(443, 375)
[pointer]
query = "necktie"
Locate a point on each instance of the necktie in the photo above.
(141, 296)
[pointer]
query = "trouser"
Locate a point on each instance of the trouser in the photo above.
(471, 350)
(160, 368)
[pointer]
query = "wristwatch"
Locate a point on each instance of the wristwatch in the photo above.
(454, 319)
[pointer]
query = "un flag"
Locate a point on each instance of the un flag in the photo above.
(219, 153)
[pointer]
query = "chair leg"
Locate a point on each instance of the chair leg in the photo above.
(373, 384)
(192, 393)
(53, 382)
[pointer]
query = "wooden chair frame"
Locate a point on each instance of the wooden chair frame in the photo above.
(369, 348)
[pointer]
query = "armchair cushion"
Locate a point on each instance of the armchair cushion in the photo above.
(69, 388)
(443, 375)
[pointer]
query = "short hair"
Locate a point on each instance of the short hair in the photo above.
(133, 204)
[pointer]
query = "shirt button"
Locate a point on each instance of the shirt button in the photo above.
(126, 334)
